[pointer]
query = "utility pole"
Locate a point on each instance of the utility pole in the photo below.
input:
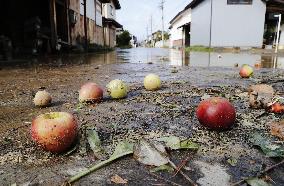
(151, 22)
(163, 29)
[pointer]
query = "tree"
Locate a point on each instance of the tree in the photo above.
(123, 39)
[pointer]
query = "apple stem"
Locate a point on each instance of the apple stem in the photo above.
(96, 167)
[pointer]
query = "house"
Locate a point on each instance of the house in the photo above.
(225, 23)
(49, 25)
(109, 22)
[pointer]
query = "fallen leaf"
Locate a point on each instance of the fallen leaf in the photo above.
(95, 143)
(257, 182)
(175, 143)
(277, 129)
(277, 108)
(118, 180)
(268, 148)
(122, 148)
(260, 96)
(150, 153)
(167, 168)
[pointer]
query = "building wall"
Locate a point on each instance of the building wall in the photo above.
(94, 23)
(232, 25)
(109, 10)
(177, 33)
(200, 25)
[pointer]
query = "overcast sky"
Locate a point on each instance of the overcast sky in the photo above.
(135, 15)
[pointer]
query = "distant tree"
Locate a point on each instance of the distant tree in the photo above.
(123, 39)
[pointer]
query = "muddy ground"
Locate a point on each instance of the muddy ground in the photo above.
(169, 111)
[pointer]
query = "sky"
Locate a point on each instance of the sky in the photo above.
(135, 15)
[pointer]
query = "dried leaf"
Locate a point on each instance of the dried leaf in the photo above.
(268, 148)
(277, 129)
(118, 180)
(175, 143)
(257, 182)
(167, 168)
(95, 143)
(150, 153)
(260, 96)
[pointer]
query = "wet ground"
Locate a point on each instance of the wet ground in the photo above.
(169, 111)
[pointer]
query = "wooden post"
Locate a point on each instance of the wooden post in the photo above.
(85, 25)
(52, 8)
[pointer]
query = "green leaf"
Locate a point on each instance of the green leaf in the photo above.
(257, 182)
(121, 148)
(232, 161)
(268, 148)
(95, 143)
(175, 143)
(167, 168)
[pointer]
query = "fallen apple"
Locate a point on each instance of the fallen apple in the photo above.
(55, 131)
(90, 92)
(117, 89)
(246, 71)
(216, 113)
(152, 82)
(42, 99)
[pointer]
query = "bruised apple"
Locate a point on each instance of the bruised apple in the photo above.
(152, 82)
(55, 131)
(42, 99)
(117, 89)
(216, 113)
(246, 71)
(90, 92)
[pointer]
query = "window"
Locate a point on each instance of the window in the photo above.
(238, 2)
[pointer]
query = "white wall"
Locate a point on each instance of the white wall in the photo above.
(184, 18)
(200, 24)
(91, 11)
(232, 25)
(238, 25)
(109, 12)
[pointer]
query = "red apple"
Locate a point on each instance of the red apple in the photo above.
(246, 71)
(55, 131)
(216, 113)
(91, 92)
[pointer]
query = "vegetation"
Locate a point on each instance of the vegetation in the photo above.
(123, 40)
(199, 49)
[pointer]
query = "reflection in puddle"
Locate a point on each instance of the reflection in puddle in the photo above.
(203, 59)
(152, 55)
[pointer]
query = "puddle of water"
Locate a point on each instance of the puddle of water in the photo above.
(203, 59)
(153, 55)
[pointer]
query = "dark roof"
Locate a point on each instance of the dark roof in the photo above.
(111, 22)
(115, 2)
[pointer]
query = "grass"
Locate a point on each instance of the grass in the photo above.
(198, 49)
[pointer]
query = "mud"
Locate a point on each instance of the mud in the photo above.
(169, 111)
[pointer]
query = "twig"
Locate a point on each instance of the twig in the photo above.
(259, 174)
(181, 165)
(164, 179)
(183, 174)
(96, 167)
